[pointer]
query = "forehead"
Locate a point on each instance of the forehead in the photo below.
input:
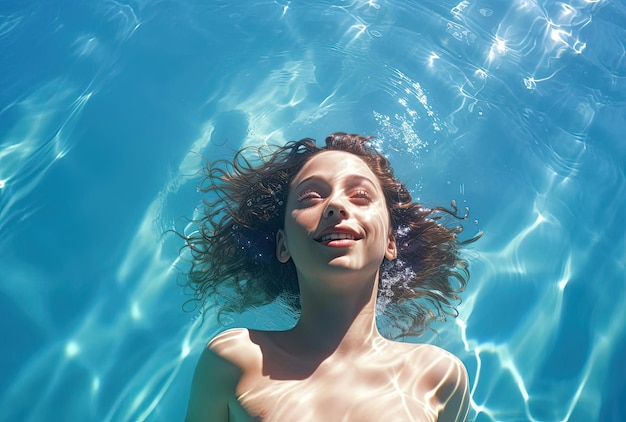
(331, 165)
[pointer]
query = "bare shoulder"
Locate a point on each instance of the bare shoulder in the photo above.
(232, 345)
(443, 363)
(217, 373)
(444, 377)
(438, 359)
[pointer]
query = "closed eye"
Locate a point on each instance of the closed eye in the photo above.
(308, 194)
(361, 197)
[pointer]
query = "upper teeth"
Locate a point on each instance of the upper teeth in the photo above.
(335, 236)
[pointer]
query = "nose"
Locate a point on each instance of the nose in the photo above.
(335, 209)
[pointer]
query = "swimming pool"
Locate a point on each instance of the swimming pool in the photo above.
(514, 109)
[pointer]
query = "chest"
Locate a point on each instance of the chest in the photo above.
(334, 392)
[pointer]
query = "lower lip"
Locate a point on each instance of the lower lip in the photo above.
(339, 243)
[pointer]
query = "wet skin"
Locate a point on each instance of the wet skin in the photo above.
(333, 365)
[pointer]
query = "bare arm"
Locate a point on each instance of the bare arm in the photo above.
(454, 395)
(214, 382)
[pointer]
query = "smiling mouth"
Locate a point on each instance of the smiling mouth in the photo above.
(336, 236)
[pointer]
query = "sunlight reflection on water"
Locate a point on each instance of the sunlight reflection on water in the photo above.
(515, 105)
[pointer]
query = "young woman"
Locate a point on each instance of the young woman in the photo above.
(331, 231)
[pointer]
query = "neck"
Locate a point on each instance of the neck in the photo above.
(342, 321)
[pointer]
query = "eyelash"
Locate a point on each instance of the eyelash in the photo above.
(312, 194)
(363, 194)
(308, 194)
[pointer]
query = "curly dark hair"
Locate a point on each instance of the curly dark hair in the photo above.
(233, 249)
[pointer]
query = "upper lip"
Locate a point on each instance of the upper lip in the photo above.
(338, 230)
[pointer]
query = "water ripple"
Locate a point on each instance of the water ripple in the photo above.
(38, 138)
(512, 107)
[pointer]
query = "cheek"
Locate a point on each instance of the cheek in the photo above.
(300, 221)
(378, 222)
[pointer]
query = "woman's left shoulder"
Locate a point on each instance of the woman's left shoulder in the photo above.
(440, 363)
(443, 374)
(435, 354)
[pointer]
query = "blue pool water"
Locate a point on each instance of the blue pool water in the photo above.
(516, 109)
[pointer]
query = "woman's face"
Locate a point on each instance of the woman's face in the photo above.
(336, 221)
